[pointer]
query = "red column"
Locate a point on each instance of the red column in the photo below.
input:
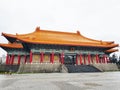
(12, 59)
(89, 58)
(107, 59)
(62, 58)
(81, 59)
(59, 57)
(52, 57)
(7, 58)
(97, 58)
(77, 59)
(25, 58)
(41, 57)
(104, 58)
(19, 59)
(30, 56)
(84, 60)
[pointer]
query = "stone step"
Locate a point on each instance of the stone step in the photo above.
(81, 68)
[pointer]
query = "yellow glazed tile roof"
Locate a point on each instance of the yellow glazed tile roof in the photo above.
(11, 45)
(60, 38)
(111, 50)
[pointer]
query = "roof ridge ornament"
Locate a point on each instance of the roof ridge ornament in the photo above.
(16, 34)
(37, 29)
(78, 32)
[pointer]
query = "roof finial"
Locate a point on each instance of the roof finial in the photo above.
(37, 29)
(78, 32)
(16, 34)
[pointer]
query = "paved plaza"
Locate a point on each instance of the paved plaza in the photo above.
(61, 81)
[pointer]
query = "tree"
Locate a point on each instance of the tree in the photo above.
(118, 61)
(113, 59)
(0, 60)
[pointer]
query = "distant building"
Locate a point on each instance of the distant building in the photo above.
(45, 46)
(2, 59)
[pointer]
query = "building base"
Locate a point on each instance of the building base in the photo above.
(58, 68)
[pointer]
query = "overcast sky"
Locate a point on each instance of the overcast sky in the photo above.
(96, 19)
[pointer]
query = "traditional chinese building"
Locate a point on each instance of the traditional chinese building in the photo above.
(44, 46)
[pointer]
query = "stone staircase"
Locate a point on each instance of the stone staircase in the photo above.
(81, 68)
(107, 67)
(9, 68)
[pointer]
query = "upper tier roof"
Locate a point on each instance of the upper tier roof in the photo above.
(59, 38)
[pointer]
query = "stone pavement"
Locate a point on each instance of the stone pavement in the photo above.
(61, 81)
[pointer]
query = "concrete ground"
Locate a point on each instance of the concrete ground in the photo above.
(61, 81)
